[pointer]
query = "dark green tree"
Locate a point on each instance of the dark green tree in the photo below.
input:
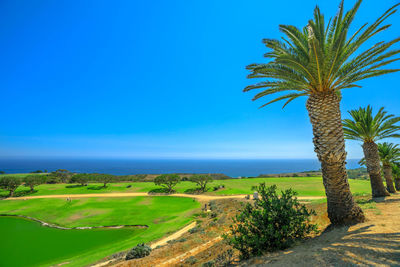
(10, 183)
(62, 175)
(168, 181)
(319, 61)
(105, 179)
(367, 128)
(80, 178)
(201, 180)
(33, 180)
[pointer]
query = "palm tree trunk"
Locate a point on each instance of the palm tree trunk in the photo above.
(387, 173)
(374, 169)
(325, 116)
(397, 184)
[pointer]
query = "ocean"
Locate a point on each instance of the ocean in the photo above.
(233, 168)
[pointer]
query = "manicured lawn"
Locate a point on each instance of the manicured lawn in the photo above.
(162, 214)
(305, 186)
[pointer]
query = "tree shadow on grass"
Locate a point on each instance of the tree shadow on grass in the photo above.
(160, 191)
(193, 191)
(96, 187)
(74, 186)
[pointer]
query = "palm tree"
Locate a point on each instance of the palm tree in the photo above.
(390, 155)
(396, 176)
(318, 62)
(368, 128)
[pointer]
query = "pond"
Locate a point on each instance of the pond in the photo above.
(28, 243)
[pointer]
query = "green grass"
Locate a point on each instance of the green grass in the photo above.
(162, 214)
(30, 244)
(305, 186)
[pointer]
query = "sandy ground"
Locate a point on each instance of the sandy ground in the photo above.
(373, 243)
(175, 261)
(197, 197)
(175, 235)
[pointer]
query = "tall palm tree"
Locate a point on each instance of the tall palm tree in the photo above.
(396, 176)
(368, 128)
(319, 61)
(389, 154)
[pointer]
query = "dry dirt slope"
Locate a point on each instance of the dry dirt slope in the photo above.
(373, 243)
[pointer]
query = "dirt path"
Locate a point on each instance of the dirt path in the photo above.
(191, 252)
(197, 197)
(373, 243)
(161, 242)
(174, 236)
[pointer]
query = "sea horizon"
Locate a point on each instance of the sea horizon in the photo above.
(230, 167)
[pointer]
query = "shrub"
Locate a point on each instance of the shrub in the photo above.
(272, 223)
(225, 258)
(191, 260)
(168, 181)
(140, 251)
(195, 229)
(208, 264)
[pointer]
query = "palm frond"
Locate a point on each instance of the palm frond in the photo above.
(323, 57)
(366, 127)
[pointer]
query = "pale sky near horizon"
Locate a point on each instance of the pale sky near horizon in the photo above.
(158, 79)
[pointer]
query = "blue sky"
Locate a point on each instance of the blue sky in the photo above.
(157, 79)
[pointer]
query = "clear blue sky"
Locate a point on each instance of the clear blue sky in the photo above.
(157, 79)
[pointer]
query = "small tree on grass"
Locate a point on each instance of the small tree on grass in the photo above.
(33, 180)
(80, 178)
(201, 180)
(272, 223)
(168, 181)
(105, 179)
(10, 183)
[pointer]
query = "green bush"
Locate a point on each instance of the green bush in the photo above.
(208, 264)
(191, 260)
(272, 223)
(140, 251)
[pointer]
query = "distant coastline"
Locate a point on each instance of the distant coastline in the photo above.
(230, 167)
